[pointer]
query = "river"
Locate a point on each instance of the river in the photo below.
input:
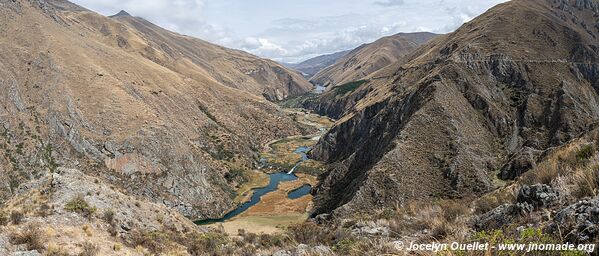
(284, 159)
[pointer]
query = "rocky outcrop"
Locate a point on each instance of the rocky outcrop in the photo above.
(503, 215)
(72, 209)
(529, 199)
(445, 119)
(579, 222)
(539, 195)
(520, 163)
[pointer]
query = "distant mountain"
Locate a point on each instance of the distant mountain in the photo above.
(312, 66)
(369, 58)
(464, 110)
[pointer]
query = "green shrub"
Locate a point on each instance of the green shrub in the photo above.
(154, 241)
(235, 174)
(345, 246)
(79, 205)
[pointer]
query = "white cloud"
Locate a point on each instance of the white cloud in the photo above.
(183, 16)
(291, 31)
(388, 3)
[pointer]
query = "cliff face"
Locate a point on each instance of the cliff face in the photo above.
(151, 111)
(451, 117)
(368, 58)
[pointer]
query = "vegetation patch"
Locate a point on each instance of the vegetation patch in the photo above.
(298, 101)
(348, 87)
(79, 205)
(31, 236)
(585, 152)
(49, 159)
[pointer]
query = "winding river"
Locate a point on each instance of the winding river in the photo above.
(275, 179)
(283, 175)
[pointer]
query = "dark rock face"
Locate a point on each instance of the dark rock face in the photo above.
(520, 163)
(579, 223)
(539, 195)
(441, 123)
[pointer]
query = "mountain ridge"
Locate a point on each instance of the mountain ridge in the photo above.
(484, 93)
(367, 58)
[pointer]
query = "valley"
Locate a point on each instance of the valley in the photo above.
(278, 193)
(120, 137)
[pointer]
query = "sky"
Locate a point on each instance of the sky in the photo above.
(295, 30)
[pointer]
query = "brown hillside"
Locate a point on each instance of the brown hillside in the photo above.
(133, 103)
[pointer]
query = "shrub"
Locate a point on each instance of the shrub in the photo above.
(79, 205)
(16, 217)
(44, 210)
(584, 153)
(154, 241)
(349, 87)
(3, 218)
(276, 240)
(586, 182)
(89, 249)
(108, 216)
(207, 242)
(309, 233)
(31, 236)
(54, 250)
(345, 246)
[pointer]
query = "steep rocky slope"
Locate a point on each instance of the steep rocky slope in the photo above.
(68, 209)
(132, 103)
(486, 100)
(310, 67)
(369, 58)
